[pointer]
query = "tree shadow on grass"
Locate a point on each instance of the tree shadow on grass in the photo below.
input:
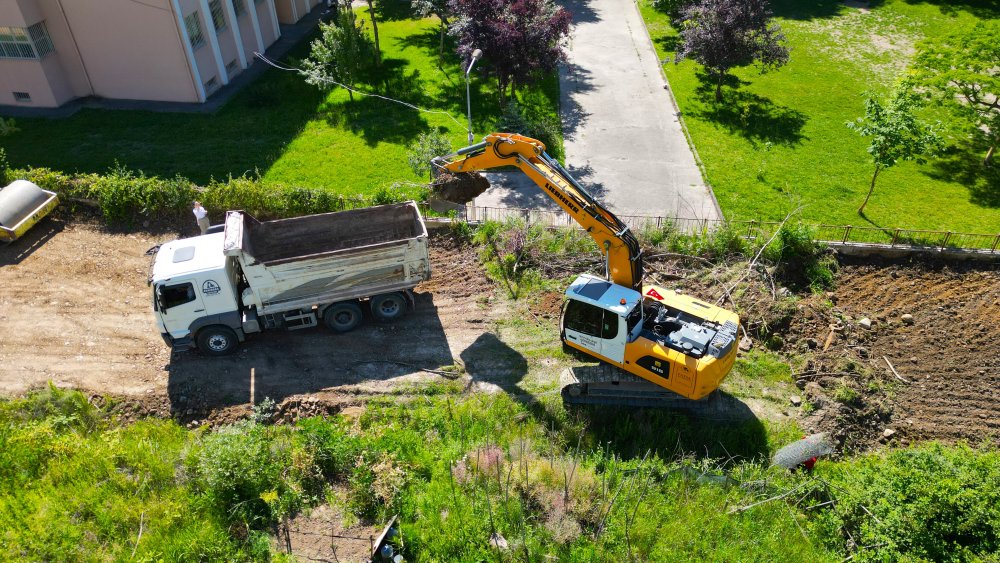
(806, 9)
(963, 163)
(749, 115)
(393, 10)
(985, 9)
(379, 120)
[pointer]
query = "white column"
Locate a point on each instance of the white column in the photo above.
(295, 10)
(213, 41)
(237, 36)
(252, 7)
(274, 19)
(192, 62)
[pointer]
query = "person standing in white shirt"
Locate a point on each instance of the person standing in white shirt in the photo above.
(201, 214)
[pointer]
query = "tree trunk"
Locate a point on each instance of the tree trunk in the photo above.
(444, 29)
(861, 210)
(989, 156)
(378, 51)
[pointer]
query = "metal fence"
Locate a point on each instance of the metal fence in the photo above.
(841, 234)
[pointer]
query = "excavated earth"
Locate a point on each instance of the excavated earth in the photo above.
(75, 310)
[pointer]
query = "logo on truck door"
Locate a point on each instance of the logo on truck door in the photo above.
(210, 287)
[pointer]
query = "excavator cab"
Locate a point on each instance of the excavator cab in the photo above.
(600, 317)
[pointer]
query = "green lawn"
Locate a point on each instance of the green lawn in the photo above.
(779, 140)
(285, 129)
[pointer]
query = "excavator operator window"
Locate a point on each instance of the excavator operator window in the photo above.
(591, 320)
(584, 317)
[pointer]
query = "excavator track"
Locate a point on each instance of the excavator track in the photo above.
(608, 385)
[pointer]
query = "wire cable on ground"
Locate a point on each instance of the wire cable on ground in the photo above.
(359, 92)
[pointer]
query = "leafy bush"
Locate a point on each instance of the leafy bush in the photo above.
(4, 168)
(932, 502)
(800, 259)
(127, 198)
(515, 119)
(251, 474)
(8, 127)
(428, 145)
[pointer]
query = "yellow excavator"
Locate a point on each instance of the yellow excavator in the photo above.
(658, 347)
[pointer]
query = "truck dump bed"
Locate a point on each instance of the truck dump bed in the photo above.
(316, 259)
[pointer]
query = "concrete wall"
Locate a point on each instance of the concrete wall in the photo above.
(124, 49)
(288, 11)
(266, 14)
(132, 50)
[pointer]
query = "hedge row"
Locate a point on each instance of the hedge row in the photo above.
(127, 198)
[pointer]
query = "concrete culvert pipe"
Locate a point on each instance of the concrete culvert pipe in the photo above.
(19, 201)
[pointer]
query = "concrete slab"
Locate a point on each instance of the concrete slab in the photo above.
(623, 137)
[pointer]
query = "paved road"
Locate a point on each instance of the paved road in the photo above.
(622, 136)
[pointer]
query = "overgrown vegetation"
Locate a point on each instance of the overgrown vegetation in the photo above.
(128, 198)
(474, 478)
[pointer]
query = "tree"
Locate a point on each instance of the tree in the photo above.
(725, 34)
(962, 70)
(520, 39)
(896, 133)
(341, 54)
(428, 145)
(439, 8)
(378, 49)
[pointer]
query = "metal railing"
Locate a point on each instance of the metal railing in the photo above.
(837, 234)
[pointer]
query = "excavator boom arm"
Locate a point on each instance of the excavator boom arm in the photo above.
(613, 237)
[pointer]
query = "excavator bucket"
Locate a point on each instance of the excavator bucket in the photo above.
(459, 187)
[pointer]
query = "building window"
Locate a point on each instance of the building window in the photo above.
(240, 7)
(20, 43)
(212, 85)
(193, 24)
(231, 67)
(22, 97)
(218, 19)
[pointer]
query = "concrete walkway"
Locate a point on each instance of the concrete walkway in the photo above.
(622, 136)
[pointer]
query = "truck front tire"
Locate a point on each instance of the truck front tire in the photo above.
(388, 306)
(342, 317)
(217, 340)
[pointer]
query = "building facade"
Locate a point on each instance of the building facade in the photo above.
(53, 51)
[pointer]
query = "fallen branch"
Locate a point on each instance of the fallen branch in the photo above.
(741, 509)
(139, 537)
(808, 375)
(448, 374)
(894, 372)
(676, 255)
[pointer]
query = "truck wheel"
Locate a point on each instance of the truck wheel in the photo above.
(388, 307)
(342, 317)
(217, 340)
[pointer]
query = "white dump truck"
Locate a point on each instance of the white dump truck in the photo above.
(210, 291)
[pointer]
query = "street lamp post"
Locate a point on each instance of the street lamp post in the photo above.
(468, 98)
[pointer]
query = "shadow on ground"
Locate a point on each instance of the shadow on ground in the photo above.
(754, 117)
(14, 253)
(376, 357)
(963, 163)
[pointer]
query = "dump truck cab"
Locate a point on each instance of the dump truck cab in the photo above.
(194, 285)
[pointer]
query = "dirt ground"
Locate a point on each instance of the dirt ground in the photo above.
(75, 310)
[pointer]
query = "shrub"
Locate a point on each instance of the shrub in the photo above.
(516, 120)
(801, 260)
(4, 168)
(427, 146)
(931, 502)
(251, 474)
